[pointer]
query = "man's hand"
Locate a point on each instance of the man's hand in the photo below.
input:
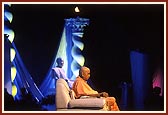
(103, 94)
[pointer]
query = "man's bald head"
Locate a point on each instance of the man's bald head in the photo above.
(84, 72)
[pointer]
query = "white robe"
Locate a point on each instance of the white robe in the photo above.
(60, 73)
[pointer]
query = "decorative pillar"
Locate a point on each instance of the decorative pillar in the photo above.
(74, 34)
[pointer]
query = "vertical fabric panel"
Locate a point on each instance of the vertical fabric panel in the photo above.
(140, 78)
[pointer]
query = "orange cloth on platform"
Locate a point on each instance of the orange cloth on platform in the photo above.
(81, 88)
(111, 104)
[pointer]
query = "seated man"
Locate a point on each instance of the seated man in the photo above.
(81, 88)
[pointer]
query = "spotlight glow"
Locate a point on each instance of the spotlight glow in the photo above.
(13, 73)
(12, 54)
(9, 16)
(14, 90)
(77, 9)
(10, 33)
(62, 51)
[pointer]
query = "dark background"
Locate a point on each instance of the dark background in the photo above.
(114, 31)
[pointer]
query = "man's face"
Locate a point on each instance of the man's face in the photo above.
(86, 73)
(60, 63)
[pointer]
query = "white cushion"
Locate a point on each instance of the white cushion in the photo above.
(86, 103)
(72, 94)
(65, 98)
(62, 94)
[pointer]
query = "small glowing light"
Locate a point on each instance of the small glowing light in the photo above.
(12, 54)
(13, 73)
(14, 90)
(77, 9)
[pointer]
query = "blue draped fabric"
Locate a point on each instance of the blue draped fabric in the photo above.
(47, 87)
(23, 78)
(68, 49)
(7, 66)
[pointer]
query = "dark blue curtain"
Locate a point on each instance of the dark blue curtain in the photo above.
(141, 82)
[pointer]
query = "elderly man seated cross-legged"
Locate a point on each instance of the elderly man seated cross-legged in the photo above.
(81, 89)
